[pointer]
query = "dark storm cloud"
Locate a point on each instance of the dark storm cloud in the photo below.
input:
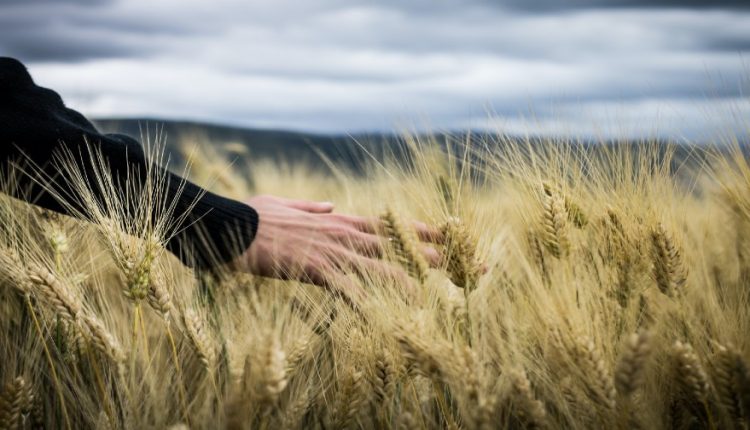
(78, 30)
(40, 48)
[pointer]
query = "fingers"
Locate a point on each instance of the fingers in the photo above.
(368, 268)
(433, 257)
(325, 275)
(368, 245)
(308, 206)
(371, 245)
(374, 225)
(427, 233)
(371, 225)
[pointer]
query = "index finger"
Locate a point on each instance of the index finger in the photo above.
(374, 225)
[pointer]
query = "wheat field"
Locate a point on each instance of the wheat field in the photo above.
(582, 287)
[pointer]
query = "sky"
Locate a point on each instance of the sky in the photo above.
(610, 68)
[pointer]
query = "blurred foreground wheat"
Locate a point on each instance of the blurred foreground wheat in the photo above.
(582, 288)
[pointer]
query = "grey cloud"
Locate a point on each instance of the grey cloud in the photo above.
(732, 44)
(36, 3)
(553, 5)
(67, 44)
(55, 49)
(73, 31)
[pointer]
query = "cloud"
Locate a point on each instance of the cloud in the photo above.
(340, 65)
(553, 5)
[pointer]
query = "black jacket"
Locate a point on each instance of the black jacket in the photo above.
(35, 124)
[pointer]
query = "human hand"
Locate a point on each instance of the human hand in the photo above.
(305, 241)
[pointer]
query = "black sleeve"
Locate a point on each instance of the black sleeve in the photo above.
(35, 124)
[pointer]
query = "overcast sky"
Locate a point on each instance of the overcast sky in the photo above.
(611, 67)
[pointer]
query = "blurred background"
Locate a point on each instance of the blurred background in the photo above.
(592, 68)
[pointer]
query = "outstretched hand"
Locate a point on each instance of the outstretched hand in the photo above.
(305, 241)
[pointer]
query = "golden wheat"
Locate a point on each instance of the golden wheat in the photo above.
(576, 310)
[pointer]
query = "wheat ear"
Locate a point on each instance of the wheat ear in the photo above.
(14, 403)
(694, 378)
(351, 399)
(295, 412)
(57, 294)
(729, 370)
(600, 384)
(530, 410)
(669, 269)
(405, 245)
(138, 270)
(629, 376)
(159, 298)
(273, 377)
(463, 267)
(102, 340)
(629, 371)
(199, 339)
(555, 224)
(384, 379)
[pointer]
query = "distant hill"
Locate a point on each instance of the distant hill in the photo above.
(275, 144)
(308, 147)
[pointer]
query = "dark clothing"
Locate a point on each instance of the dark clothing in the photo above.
(35, 124)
